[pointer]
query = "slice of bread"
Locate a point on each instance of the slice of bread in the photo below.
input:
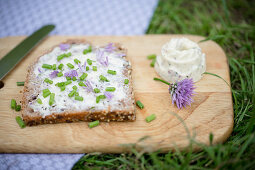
(78, 100)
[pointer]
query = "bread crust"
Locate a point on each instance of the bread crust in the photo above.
(32, 118)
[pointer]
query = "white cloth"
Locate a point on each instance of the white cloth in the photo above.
(71, 17)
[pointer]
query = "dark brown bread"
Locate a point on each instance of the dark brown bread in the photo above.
(34, 118)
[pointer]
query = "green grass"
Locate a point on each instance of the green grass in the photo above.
(232, 25)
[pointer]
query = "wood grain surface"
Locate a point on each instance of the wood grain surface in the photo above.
(212, 111)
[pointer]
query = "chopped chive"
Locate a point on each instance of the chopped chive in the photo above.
(79, 98)
(96, 90)
(76, 94)
(151, 57)
(88, 50)
(87, 68)
(111, 72)
(153, 62)
(62, 88)
(103, 78)
(75, 87)
(60, 84)
(74, 79)
(39, 101)
(20, 83)
(68, 82)
(48, 81)
(60, 67)
(47, 66)
(89, 61)
(150, 118)
(54, 67)
(51, 101)
(46, 93)
(110, 89)
(126, 81)
(81, 83)
(94, 68)
(83, 76)
(70, 65)
(77, 61)
(139, 104)
(60, 57)
(60, 74)
(71, 93)
(13, 103)
(20, 122)
(98, 98)
(18, 108)
(68, 54)
(94, 124)
(68, 78)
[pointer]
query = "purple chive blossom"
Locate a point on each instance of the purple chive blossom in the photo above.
(121, 54)
(108, 95)
(109, 48)
(64, 47)
(39, 70)
(53, 74)
(100, 58)
(182, 92)
(71, 73)
(88, 86)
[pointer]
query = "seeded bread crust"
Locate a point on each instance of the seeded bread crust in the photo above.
(31, 92)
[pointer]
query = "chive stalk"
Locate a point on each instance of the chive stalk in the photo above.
(70, 65)
(151, 57)
(60, 74)
(81, 83)
(96, 90)
(139, 104)
(94, 68)
(20, 83)
(111, 72)
(88, 50)
(101, 77)
(46, 93)
(83, 76)
(79, 98)
(94, 124)
(110, 89)
(13, 103)
(18, 108)
(39, 101)
(77, 61)
(60, 67)
(150, 118)
(52, 97)
(126, 81)
(89, 61)
(20, 122)
(71, 93)
(47, 66)
(87, 68)
(54, 67)
(153, 62)
(98, 98)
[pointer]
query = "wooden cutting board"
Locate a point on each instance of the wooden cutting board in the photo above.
(212, 111)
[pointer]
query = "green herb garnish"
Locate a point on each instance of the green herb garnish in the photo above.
(60, 67)
(110, 89)
(153, 62)
(68, 82)
(83, 76)
(71, 93)
(103, 78)
(74, 79)
(74, 87)
(98, 98)
(54, 67)
(20, 83)
(88, 50)
(76, 94)
(51, 101)
(77, 61)
(13, 103)
(94, 124)
(79, 98)
(68, 78)
(111, 72)
(60, 74)
(48, 81)
(47, 66)
(18, 108)
(89, 61)
(39, 101)
(126, 81)
(139, 104)
(87, 68)
(81, 83)
(20, 122)
(96, 90)
(150, 118)
(62, 88)
(70, 65)
(151, 57)
(46, 93)
(94, 68)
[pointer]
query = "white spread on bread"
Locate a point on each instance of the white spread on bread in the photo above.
(180, 58)
(62, 101)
